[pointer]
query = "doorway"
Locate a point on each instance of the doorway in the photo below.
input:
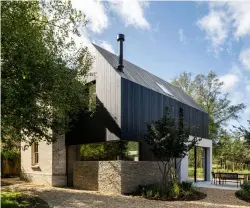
(197, 165)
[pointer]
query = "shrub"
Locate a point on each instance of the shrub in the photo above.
(174, 191)
(246, 186)
(244, 192)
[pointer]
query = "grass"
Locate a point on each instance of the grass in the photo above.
(230, 171)
(10, 199)
(199, 172)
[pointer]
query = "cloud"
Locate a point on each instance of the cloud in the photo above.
(240, 13)
(236, 97)
(224, 20)
(230, 81)
(107, 46)
(245, 57)
(95, 12)
(248, 88)
(182, 36)
(215, 28)
(131, 12)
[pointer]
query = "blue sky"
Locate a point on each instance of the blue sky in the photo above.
(167, 38)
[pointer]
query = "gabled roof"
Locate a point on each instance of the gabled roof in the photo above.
(146, 79)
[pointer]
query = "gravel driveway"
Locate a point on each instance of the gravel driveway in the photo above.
(66, 197)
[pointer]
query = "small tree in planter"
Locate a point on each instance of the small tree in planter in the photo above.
(168, 139)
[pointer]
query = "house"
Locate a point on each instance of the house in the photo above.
(126, 97)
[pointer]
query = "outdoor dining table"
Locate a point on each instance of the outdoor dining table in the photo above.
(246, 176)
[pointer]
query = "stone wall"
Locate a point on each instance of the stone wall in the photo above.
(85, 175)
(109, 177)
(59, 161)
(117, 177)
(135, 173)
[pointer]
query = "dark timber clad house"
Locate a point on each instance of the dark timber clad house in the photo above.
(126, 97)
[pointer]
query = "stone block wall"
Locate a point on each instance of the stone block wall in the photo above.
(85, 175)
(109, 177)
(135, 173)
(59, 161)
(117, 177)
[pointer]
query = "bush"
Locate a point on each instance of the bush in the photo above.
(244, 192)
(246, 186)
(174, 191)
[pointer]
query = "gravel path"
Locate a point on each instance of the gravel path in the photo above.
(66, 197)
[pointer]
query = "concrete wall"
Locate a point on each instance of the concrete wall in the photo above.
(206, 143)
(115, 176)
(51, 168)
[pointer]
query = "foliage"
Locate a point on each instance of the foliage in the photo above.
(244, 132)
(17, 199)
(206, 90)
(44, 70)
(231, 152)
(10, 154)
(174, 191)
(244, 192)
(169, 140)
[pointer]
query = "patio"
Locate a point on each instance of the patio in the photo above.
(207, 184)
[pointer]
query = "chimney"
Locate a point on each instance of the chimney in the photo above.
(120, 39)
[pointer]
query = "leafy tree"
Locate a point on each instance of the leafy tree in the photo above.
(168, 139)
(206, 91)
(244, 132)
(231, 152)
(43, 69)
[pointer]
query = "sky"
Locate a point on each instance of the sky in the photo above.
(167, 38)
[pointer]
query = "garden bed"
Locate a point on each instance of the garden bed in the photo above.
(173, 192)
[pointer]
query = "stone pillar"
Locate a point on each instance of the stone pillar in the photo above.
(59, 176)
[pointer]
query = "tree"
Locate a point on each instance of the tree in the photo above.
(43, 69)
(169, 140)
(244, 132)
(206, 91)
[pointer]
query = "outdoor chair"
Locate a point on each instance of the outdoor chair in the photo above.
(214, 178)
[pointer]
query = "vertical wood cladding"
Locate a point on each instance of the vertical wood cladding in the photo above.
(140, 104)
(108, 92)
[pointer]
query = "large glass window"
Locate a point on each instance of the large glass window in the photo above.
(113, 150)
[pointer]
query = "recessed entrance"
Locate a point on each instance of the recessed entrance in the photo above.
(197, 165)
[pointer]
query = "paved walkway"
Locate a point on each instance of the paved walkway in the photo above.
(65, 197)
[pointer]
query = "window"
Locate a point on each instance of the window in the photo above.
(92, 96)
(34, 154)
(112, 150)
(164, 89)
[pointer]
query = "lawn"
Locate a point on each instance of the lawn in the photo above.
(199, 172)
(12, 199)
